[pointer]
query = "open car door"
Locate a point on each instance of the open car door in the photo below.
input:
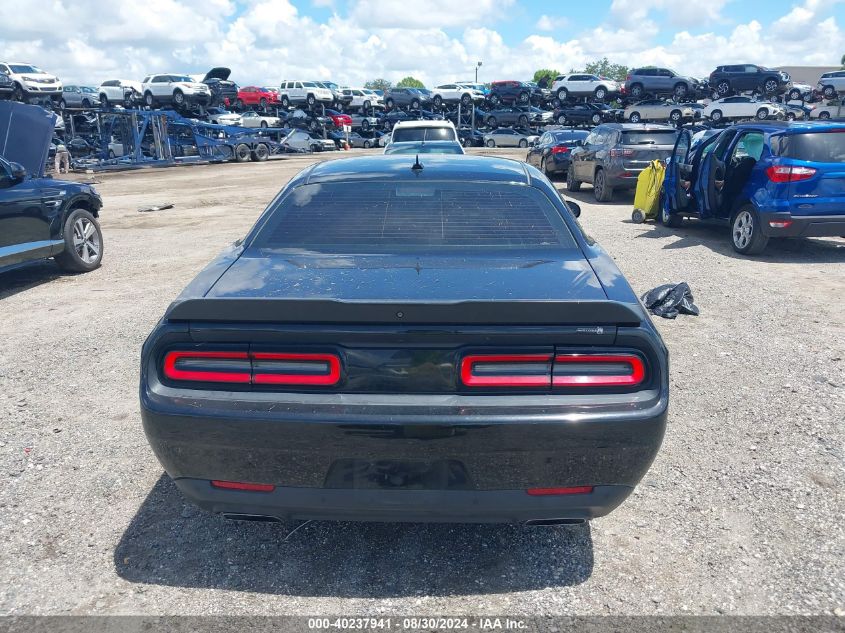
(712, 170)
(677, 171)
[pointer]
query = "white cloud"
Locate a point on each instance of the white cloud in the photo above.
(551, 23)
(425, 15)
(265, 41)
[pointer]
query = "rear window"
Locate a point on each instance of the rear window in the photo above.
(818, 147)
(422, 148)
(649, 137)
(423, 134)
(363, 217)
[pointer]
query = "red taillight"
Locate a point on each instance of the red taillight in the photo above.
(232, 367)
(239, 485)
(552, 370)
(560, 149)
(598, 370)
(295, 369)
(617, 153)
(258, 368)
(507, 370)
(789, 173)
(571, 490)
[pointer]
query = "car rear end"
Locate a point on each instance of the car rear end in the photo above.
(800, 188)
(560, 155)
(436, 350)
(634, 150)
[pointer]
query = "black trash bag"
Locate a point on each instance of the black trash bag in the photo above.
(669, 300)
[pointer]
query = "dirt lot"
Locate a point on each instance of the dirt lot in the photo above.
(741, 512)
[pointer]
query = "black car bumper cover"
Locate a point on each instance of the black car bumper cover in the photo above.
(435, 506)
(502, 445)
(803, 226)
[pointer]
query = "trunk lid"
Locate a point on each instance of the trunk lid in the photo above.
(823, 152)
(417, 279)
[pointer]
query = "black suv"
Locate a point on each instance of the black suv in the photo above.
(658, 81)
(405, 97)
(42, 217)
(741, 77)
(613, 155)
(509, 91)
(223, 91)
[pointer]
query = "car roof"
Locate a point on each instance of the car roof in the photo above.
(793, 126)
(425, 123)
(435, 167)
(637, 126)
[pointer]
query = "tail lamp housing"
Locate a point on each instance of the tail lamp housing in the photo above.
(561, 149)
(789, 173)
(253, 368)
(548, 370)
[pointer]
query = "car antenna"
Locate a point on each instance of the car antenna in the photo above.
(417, 166)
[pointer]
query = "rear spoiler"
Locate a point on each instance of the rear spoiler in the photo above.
(331, 311)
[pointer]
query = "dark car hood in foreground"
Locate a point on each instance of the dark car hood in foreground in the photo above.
(25, 133)
(409, 278)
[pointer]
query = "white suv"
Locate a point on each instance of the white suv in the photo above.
(30, 81)
(831, 84)
(176, 89)
(452, 93)
(423, 130)
(120, 91)
(362, 98)
(584, 85)
(307, 92)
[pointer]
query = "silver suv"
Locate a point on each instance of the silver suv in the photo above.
(658, 81)
(831, 84)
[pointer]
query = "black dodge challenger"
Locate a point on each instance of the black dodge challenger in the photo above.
(396, 341)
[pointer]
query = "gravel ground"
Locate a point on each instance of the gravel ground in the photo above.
(741, 512)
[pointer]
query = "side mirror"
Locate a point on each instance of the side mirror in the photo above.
(18, 173)
(574, 207)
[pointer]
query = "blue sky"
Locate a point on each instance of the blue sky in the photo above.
(350, 41)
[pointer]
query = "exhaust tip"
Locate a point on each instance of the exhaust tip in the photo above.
(552, 522)
(260, 518)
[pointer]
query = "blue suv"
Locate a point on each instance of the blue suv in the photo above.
(767, 179)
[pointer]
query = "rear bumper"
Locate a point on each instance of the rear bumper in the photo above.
(412, 457)
(418, 506)
(803, 226)
(623, 178)
(558, 165)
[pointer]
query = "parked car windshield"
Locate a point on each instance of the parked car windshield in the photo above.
(649, 137)
(817, 147)
(22, 68)
(365, 217)
(423, 134)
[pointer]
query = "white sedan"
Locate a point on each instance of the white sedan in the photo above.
(741, 108)
(221, 116)
(253, 119)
